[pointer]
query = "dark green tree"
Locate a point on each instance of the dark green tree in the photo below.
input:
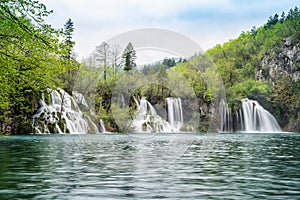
(68, 54)
(68, 33)
(129, 56)
(170, 62)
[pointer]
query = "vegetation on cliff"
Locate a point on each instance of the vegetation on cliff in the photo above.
(262, 64)
(32, 58)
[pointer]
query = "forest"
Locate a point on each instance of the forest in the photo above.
(261, 64)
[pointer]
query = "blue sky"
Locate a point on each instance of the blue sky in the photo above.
(207, 22)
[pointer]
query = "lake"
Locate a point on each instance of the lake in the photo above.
(154, 166)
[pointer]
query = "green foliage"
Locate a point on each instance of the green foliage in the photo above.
(249, 89)
(239, 59)
(166, 63)
(192, 76)
(162, 77)
(33, 58)
(30, 61)
(68, 43)
(170, 62)
(69, 57)
(286, 98)
(103, 96)
(233, 63)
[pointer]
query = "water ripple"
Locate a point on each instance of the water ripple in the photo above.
(228, 166)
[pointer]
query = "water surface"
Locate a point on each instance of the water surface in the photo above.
(159, 166)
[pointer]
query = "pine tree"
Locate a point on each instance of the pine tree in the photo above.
(68, 33)
(129, 56)
(68, 45)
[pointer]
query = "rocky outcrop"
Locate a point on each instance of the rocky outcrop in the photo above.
(283, 63)
(285, 60)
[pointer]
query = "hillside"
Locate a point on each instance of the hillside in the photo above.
(264, 64)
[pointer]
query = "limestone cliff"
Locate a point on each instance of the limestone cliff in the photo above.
(282, 67)
(281, 61)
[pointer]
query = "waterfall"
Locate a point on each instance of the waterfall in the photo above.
(251, 117)
(79, 98)
(174, 110)
(256, 118)
(60, 113)
(102, 126)
(241, 119)
(225, 117)
(146, 118)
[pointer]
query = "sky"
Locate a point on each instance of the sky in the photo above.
(207, 22)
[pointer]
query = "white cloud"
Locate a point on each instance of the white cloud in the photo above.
(128, 11)
(118, 8)
(99, 20)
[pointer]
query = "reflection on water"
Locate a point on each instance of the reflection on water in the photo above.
(172, 166)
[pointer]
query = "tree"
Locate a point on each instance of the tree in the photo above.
(30, 62)
(68, 44)
(129, 56)
(162, 77)
(253, 30)
(116, 57)
(170, 62)
(103, 54)
(282, 17)
(272, 20)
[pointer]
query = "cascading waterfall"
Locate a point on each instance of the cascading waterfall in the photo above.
(251, 117)
(175, 116)
(60, 113)
(79, 98)
(147, 120)
(102, 126)
(256, 118)
(225, 117)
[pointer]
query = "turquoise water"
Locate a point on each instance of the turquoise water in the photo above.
(158, 166)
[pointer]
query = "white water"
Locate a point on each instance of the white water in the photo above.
(61, 114)
(79, 98)
(252, 117)
(175, 116)
(147, 120)
(256, 118)
(102, 126)
(225, 117)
